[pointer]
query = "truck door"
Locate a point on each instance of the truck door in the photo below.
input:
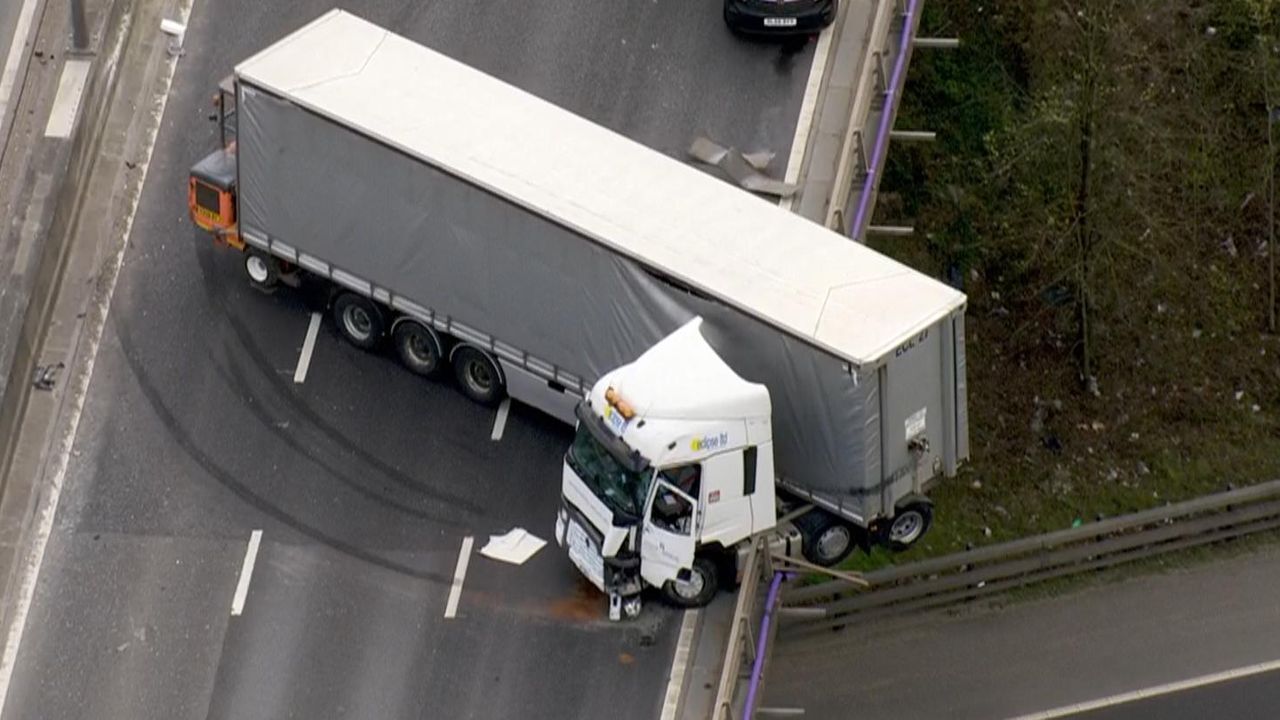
(668, 539)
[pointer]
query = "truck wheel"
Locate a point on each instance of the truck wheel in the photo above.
(826, 538)
(418, 347)
(698, 590)
(477, 375)
(262, 269)
(359, 320)
(909, 524)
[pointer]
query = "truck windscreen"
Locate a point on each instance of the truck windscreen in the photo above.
(622, 489)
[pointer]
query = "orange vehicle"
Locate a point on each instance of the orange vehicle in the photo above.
(212, 200)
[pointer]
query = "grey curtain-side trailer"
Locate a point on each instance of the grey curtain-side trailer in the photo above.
(474, 224)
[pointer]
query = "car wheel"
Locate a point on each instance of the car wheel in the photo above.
(359, 320)
(477, 375)
(826, 538)
(698, 590)
(418, 347)
(262, 269)
(909, 524)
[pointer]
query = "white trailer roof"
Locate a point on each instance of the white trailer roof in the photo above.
(781, 268)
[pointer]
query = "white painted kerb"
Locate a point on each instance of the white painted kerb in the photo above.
(62, 118)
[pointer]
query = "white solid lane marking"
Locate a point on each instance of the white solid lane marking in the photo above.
(679, 665)
(95, 321)
(459, 574)
(308, 347)
(246, 572)
(16, 47)
(808, 106)
(500, 422)
(66, 104)
(1156, 691)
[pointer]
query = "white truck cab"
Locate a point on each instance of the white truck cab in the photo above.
(670, 468)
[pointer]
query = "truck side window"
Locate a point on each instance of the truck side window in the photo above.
(749, 470)
(686, 477)
(671, 512)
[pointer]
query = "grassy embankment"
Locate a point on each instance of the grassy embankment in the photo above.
(1100, 183)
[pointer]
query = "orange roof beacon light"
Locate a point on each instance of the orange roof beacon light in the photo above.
(623, 407)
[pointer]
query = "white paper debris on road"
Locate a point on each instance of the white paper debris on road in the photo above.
(515, 547)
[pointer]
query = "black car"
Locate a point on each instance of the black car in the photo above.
(779, 17)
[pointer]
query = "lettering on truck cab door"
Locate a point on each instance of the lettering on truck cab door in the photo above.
(668, 540)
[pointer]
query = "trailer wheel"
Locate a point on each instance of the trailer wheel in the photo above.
(477, 375)
(826, 538)
(418, 347)
(359, 320)
(698, 590)
(262, 269)
(909, 524)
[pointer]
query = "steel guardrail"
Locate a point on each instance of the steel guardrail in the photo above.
(854, 146)
(1006, 566)
(740, 650)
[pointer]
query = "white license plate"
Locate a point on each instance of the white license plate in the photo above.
(779, 22)
(584, 554)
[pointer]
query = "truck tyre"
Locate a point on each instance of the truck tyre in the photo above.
(359, 320)
(477, 375)
(826, 538)
(703, 583)
(418, 347)
(909, 524)
(262, 269)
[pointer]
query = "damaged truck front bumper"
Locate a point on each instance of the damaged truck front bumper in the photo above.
(617, 575)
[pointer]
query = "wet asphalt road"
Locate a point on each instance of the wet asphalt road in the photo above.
(364, 479)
